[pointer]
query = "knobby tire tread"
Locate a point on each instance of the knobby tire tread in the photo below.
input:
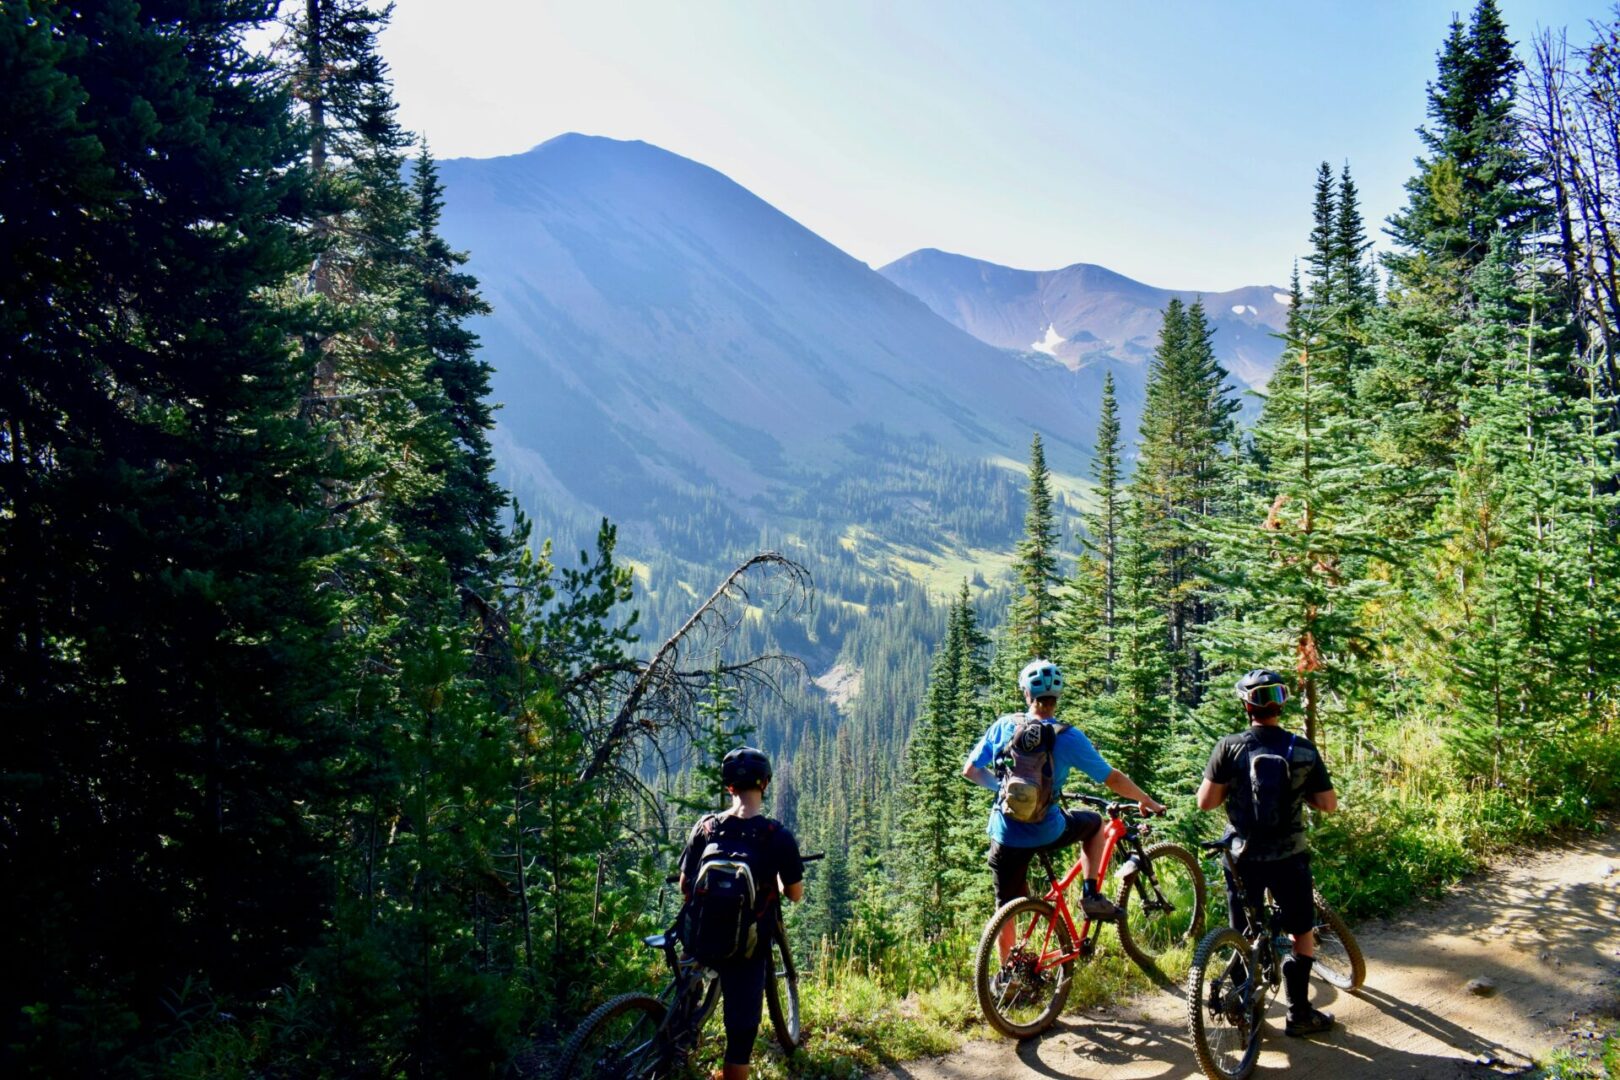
(773, 1002)
(987, 954)
(604, 1012)
(1169, 851)
(1352, 948)
(1196, 983)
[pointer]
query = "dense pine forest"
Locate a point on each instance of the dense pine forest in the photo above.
(318, 759)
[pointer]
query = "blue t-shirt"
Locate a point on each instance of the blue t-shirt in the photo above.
(1073, 751)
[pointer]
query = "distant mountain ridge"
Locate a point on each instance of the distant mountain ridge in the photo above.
(658, 326)
(1085, 314)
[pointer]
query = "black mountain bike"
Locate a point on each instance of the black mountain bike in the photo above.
(645, 1037)
(1233, 978)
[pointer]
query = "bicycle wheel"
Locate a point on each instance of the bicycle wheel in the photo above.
(782, 997)
(1224, 1005)
(1338, 955)
(619, 1040)
(1023, 994)
(1162, 906)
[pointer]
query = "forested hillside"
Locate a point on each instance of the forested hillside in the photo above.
(317, 759)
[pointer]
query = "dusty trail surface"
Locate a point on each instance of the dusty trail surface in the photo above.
(1544, 929)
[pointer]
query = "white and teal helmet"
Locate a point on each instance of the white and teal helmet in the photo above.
(1041, 678)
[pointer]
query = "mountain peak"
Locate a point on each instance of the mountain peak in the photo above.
(1084, 314)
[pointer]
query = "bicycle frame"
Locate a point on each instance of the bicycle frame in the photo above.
(1263, 928)
(1114, 830)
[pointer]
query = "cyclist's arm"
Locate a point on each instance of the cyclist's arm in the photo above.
(1325, 801)
(1120, 784)
(981, 776)
(1210, 795)
(794, 892)
(977, 766)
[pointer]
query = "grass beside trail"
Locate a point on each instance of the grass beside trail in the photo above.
(1597, 1059)
(858, 1021)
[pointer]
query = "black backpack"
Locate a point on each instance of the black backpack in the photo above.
(1268, 813)
(727, 902)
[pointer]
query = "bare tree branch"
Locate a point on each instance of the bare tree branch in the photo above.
(663, 693)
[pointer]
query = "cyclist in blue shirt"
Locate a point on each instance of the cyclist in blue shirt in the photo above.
(1014, 843)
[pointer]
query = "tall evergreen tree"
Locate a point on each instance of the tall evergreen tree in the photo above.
(1130, 721)
(461, 510)
(1187, 425)
(1032, 620)
(165, 671)
(1472, 180)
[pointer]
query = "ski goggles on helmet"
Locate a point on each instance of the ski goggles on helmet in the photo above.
(1269, 694)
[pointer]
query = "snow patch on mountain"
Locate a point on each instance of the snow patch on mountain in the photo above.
(1283, 298)
(1050, 342)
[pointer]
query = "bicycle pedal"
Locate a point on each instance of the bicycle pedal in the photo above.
(1088, 946)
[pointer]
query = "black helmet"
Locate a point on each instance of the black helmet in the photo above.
(745, 768)
(1250, 688)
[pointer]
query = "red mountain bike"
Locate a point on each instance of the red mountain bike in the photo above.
(1026, 957)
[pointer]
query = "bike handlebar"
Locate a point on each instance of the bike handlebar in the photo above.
(1115, 807)
(675, 879)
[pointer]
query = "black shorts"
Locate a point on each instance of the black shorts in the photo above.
(742, 1001)
(1290, 883)
(1011, 864)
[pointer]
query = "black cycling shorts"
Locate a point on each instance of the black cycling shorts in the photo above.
(1290, 883)
(1011, 864)
(742, 1001)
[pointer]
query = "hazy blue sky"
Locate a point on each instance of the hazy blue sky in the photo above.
(1174, 141)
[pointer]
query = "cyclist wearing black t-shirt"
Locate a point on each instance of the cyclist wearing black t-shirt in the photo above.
(773, 859)
(1275, 857)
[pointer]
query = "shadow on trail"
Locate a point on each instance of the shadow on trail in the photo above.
(1436, 1027)
(1105, 1048)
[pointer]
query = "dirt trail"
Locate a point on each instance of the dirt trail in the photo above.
(1545, 930)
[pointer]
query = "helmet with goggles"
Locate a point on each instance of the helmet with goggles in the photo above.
(1261, 687)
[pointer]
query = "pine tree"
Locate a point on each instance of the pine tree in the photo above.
(460, 513)
(1323, 261)
(1187, 424)
(1292, 568)
(1130, 722)
(1033, 616)
(165, 672)
(720, 731)
(1085, 630)
(1105, 525)
(1518, 551)
(1472, 181)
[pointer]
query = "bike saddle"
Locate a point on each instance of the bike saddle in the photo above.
(1223, 844)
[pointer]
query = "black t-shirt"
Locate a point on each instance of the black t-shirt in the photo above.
(773, 850)
(1308, 775)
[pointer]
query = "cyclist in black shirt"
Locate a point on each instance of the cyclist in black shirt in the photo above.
(1271, 850)
(773, 858)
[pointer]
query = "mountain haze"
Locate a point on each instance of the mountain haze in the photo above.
(1086, 315)
(656, 326)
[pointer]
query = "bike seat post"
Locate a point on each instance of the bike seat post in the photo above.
(1046, 864)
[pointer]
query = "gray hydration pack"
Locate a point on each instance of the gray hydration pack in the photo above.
(1025, 766)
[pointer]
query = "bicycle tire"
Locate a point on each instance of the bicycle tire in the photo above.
(1338, 954)
(1153, 938)
(782, 998)
(1237, 1018)
(642, 1059)
(998, 1008)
